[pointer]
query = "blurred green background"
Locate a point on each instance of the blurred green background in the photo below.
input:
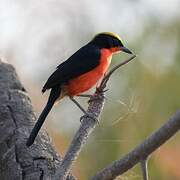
(35, 36)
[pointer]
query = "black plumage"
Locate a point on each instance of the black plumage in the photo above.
(84, 60)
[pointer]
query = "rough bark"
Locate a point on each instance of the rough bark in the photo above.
(17, 118)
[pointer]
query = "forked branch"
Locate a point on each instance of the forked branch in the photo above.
(88, 124)
(141, 152)
(108, 75)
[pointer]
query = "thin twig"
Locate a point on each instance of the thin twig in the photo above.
(88, 124)
(144, 168)
(142, 151)
(107, 76)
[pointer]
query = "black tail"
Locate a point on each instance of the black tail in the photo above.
(54, 94)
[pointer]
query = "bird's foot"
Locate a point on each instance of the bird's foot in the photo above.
(98, 95)
(99, 90)
(95, 97)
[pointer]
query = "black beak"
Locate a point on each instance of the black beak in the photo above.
(126, 50)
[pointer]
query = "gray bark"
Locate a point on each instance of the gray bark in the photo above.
(17, 118)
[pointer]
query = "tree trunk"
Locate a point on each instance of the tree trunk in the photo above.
(17, 117)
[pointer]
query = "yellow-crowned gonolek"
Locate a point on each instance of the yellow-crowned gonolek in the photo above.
(80, 72)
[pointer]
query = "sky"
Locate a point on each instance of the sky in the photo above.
(36, 36)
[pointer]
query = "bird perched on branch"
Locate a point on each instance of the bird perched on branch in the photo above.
(79, 73)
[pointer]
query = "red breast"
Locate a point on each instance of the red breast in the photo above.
(86, 81)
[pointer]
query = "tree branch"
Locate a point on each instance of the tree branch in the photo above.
(142, 151)
(41, 162)
(88, 124)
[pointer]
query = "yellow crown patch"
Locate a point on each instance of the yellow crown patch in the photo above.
(110, 34)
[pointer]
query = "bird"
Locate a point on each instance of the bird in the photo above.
(79, 73)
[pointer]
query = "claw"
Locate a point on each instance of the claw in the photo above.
(93, 98)
(105, 90)
(100, 90)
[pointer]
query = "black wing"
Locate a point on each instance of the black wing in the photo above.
(84, 60)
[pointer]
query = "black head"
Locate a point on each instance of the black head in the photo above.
(111, 41)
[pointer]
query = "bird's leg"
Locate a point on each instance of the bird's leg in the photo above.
(85, 95)
(78, 105)
(82, 109)
(90, 96)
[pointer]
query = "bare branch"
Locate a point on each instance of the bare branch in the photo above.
(108, 75)
(88, 124)
(142, 151)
